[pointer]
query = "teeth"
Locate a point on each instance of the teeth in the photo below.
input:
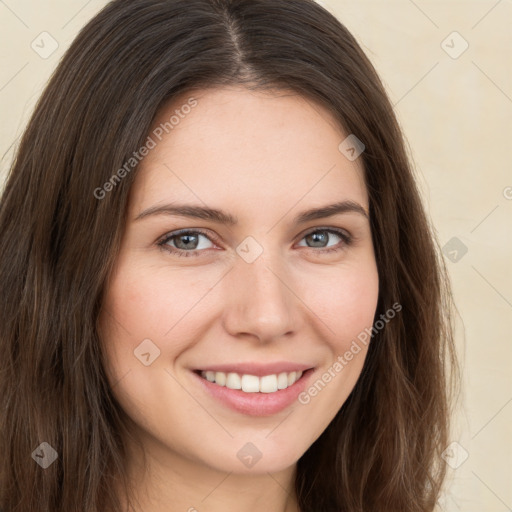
(252, 383)
(282, 381)
(233, 381)
(268, 384)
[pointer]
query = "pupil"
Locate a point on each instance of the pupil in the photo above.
(319, 237)
(189, 240)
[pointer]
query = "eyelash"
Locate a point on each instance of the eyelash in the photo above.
(163, 244)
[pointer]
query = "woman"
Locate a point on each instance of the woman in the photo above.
(144, 370)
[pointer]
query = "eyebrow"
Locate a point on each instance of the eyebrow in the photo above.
(221, 217)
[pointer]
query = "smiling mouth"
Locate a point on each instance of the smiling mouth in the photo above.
(251, 383)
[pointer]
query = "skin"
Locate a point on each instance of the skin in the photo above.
(264, 158)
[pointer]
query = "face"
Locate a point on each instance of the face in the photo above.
(223, 281)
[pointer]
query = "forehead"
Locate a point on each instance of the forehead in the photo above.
(248, 149)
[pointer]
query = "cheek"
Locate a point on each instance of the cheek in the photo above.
(140, 310)
(345, 299)
(147, 303)
(171, 305)
(347, 310)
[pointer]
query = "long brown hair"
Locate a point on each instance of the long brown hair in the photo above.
(59, 241)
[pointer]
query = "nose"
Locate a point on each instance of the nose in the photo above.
(260, 301)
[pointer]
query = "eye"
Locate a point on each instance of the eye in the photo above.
(320, 236)
(184, 243)
(188, 242)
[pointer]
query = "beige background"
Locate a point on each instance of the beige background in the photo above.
(457, 116)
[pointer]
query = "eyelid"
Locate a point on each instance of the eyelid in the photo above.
(172, 234)
(331, 229)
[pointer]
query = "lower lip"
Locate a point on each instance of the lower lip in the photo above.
(256, 404)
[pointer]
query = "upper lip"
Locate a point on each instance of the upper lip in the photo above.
(257, 369)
